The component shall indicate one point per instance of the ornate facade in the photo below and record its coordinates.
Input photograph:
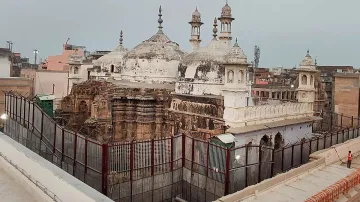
(156, 89)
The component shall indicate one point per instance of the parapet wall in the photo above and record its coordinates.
(239, 117)
(56, 181)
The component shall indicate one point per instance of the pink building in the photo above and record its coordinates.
(60, 62)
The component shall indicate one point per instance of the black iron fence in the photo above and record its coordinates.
(161, 169)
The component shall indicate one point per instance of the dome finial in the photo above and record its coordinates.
(215, 29)
(121, 38)
(236, 43)
(160, 21)
(308, 52)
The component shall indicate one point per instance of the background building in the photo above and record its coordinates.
(5, 62)
(21, 86)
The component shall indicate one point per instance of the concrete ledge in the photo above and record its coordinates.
(338, 152)
(269, 183)
(62, 184)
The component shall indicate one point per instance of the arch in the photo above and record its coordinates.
(83, 106)
(265, 141)
(311, 80)
(241, 76)
(279, 141)
(230, 76)
(304, 80)
(112, 68)
(76, 70)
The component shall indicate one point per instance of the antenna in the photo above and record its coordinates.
(10, 43)
(256, 55)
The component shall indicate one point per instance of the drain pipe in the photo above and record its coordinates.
(179, 199)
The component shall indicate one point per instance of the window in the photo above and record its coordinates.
(304, 80)
(76, 70)
(112, 68)
(311, 80)
(230, 76)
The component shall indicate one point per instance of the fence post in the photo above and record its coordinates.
(273, 162)
(292, 156)
(331, 120)
(75, 146)
(5, 102)
(33, 117)
(16, 107)
(85, 160)
(301, 152)
(131, 167)
(105, 169)
(341, 120)
(331, 135)
(152, 156)
(246, 165)
(259, 173)
(62, 146)
(207, 159)
(24, 109)
(28, 125)
(183, 149)
(227, 171)
(172, 152)
(282, 159)
(54, 143)
(317, 144)
(41, 130)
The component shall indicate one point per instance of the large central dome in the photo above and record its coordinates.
(154, 60)
(159, 46)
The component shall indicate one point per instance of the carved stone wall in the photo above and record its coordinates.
(140, 113)
(106, 112)
(198, 116)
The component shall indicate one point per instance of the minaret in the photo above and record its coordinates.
(195, 29)
(236, 90)
(226, 20)
(306, 78)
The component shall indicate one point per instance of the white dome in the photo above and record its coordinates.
(158, 46)
(113, 58)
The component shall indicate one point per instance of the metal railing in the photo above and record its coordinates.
(165, 168)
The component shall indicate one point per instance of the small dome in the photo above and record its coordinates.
(307, 62)
(226, 11)
(196, 16)
(115, 57)
(236, 55)
(196, 13)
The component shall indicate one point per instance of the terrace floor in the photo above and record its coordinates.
(307, 185)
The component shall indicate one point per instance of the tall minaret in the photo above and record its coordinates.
(195, 29)
(226, 20)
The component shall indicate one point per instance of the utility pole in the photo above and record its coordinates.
(35, 55)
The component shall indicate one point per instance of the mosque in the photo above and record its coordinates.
(156, 89)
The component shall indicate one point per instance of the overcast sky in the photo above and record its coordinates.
(284, 29)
